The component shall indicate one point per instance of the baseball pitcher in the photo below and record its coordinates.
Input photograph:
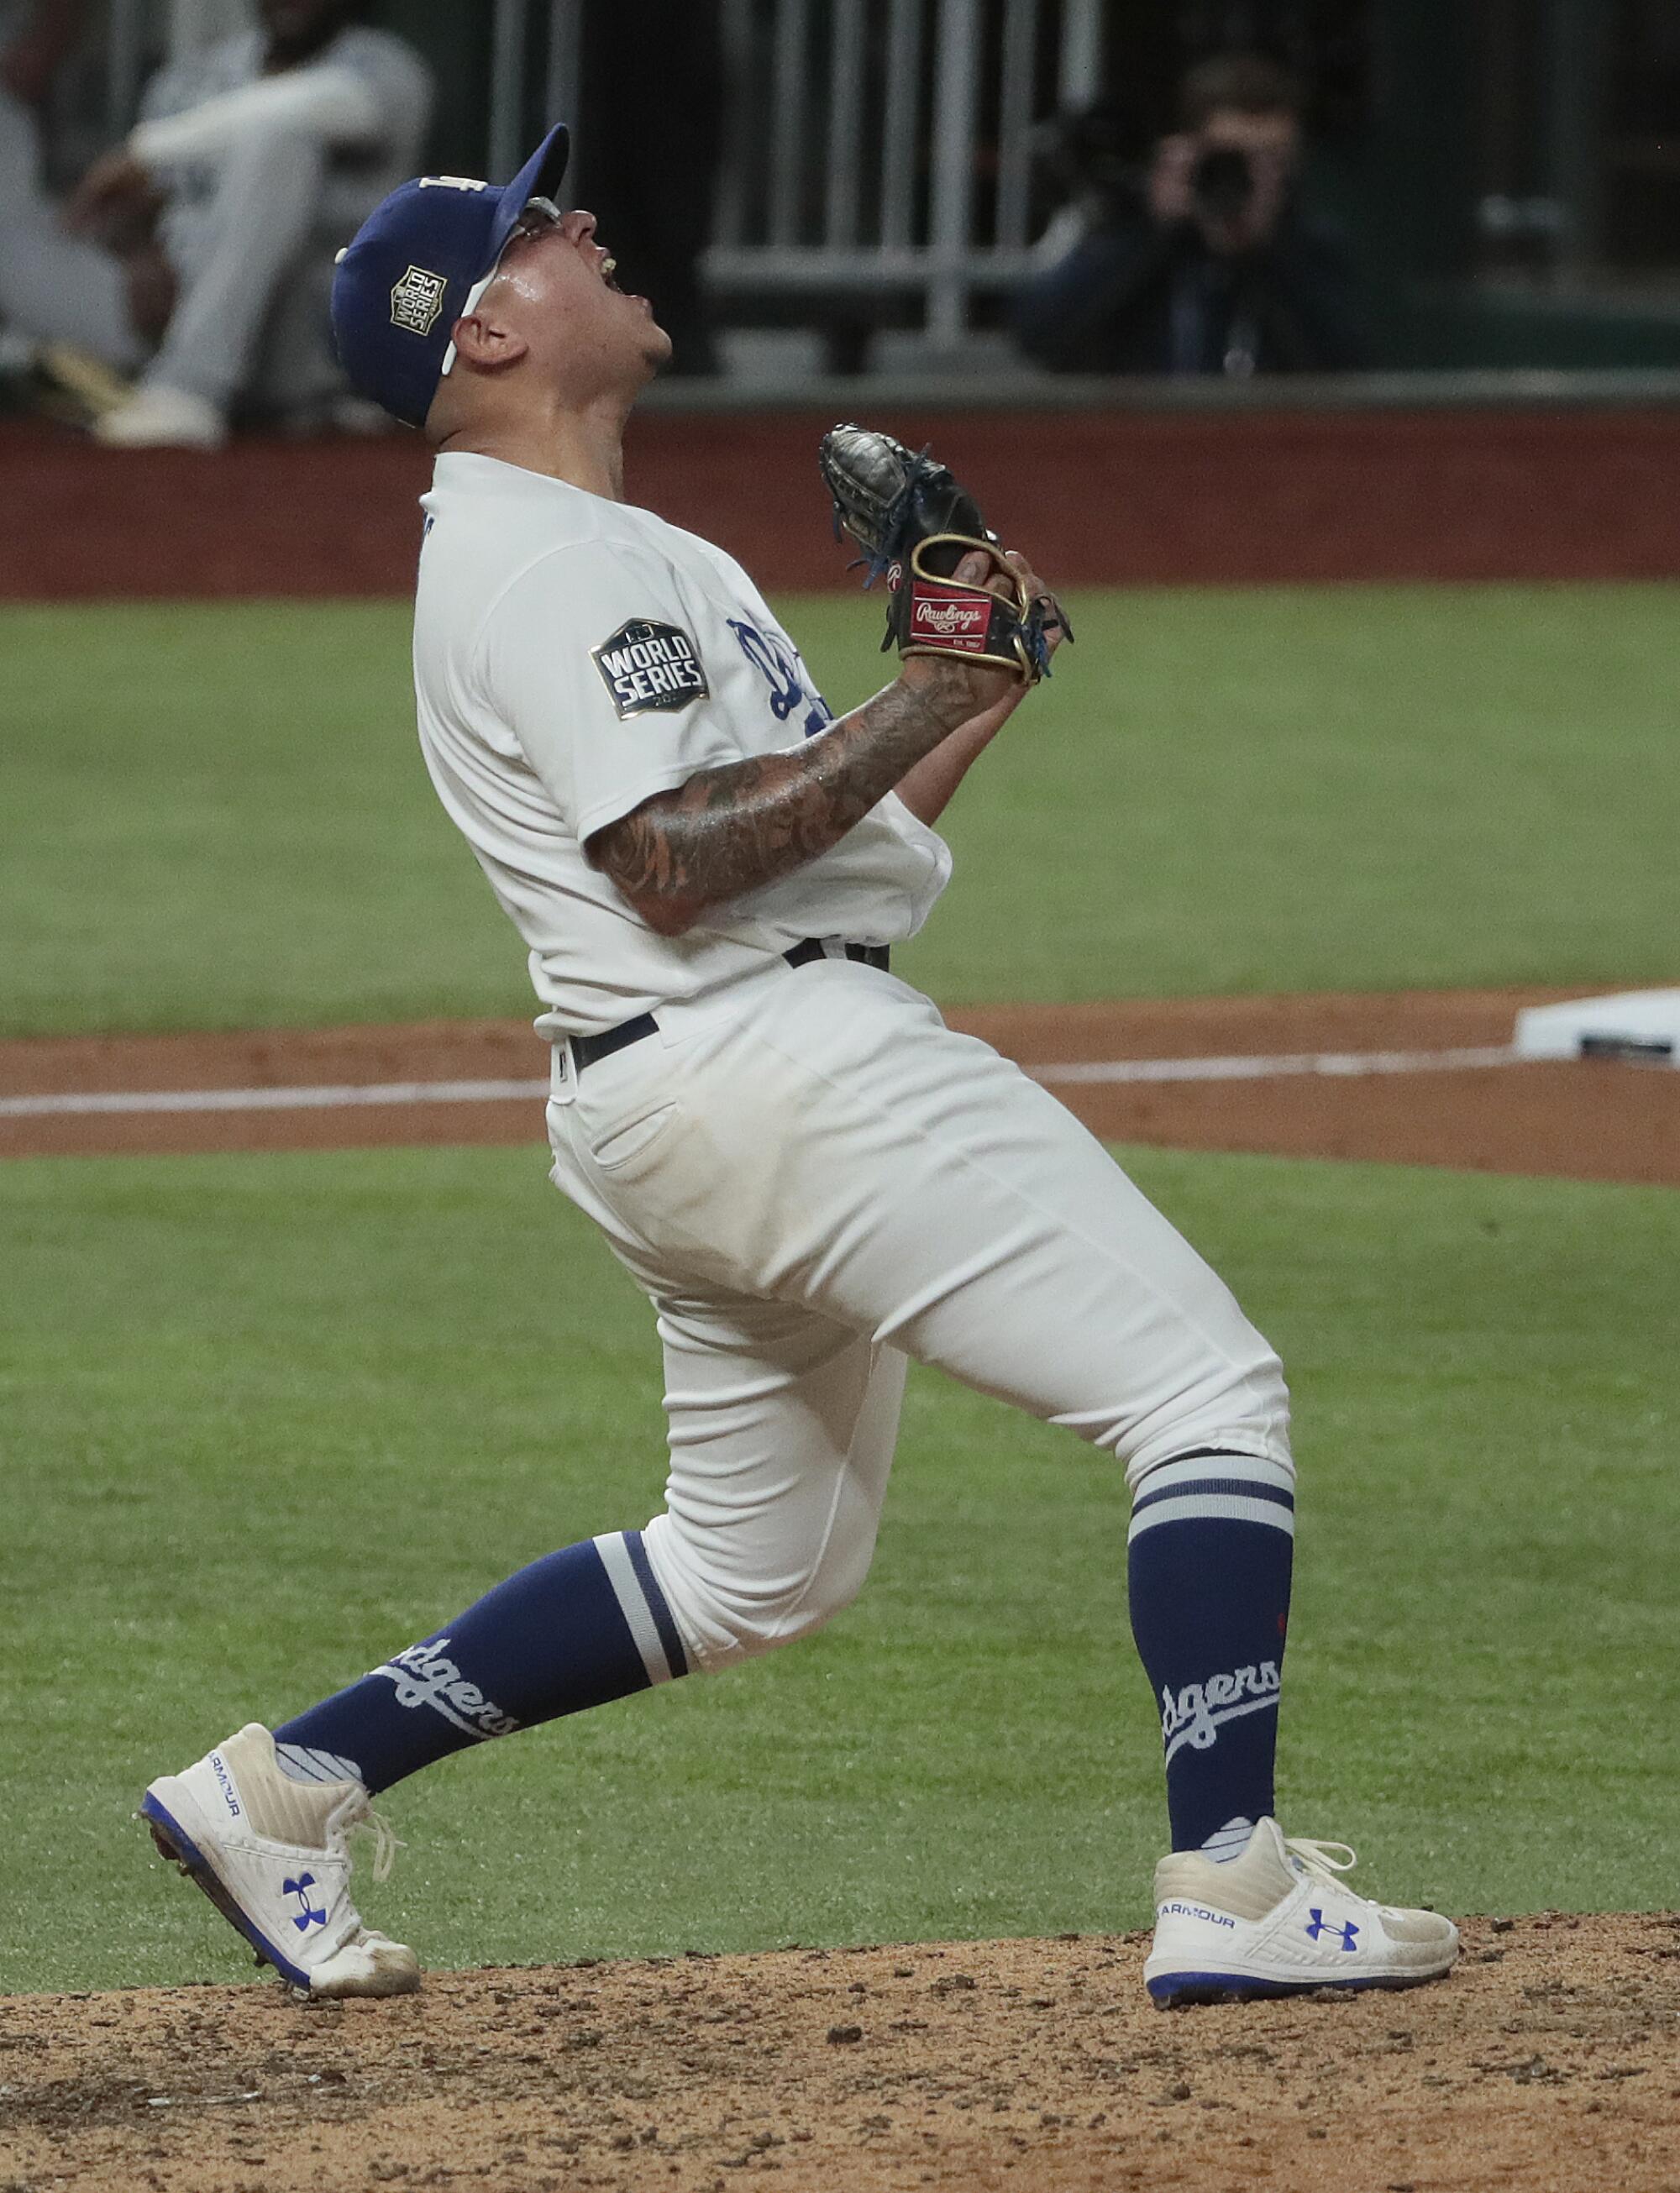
(811, 1177)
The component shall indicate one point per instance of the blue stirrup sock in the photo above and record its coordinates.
(1209, 1555)
(571, 1630)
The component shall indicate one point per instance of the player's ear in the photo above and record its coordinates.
(485, 343)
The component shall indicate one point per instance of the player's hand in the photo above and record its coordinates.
(979, 701)
(1056, 629)
(958, 691)
(117, 183)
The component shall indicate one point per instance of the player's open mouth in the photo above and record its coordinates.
(608, 271)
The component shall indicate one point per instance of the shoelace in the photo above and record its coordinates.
(1313, 1858)
(386, 1842)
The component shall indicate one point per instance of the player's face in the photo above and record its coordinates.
(555, 287)
(1271, 143)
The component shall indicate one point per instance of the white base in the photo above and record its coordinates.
(1638, 1024)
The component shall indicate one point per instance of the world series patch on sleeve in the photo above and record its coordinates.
(647, 665)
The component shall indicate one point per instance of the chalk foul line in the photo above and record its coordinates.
(1269, 1067)
(314, 1096)
(320, 1096)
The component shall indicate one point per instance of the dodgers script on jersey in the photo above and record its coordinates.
(574, 658)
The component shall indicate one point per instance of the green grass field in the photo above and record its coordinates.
(263, 1419)
(267, 1418)
(215, 816)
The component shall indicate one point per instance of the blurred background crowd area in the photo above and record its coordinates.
(1207, 192)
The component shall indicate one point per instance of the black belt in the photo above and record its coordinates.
(586, 1049)
(809, 948)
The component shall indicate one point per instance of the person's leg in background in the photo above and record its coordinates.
(258, 223)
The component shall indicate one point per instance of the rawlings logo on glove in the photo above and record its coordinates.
(915, 524)
(948, 623)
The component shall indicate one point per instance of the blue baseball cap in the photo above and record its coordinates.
(417, 264)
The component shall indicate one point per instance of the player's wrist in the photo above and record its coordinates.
(952, 692)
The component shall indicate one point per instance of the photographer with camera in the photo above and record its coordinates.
(1204, 262)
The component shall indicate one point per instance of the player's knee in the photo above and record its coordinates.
(745, 1617)
(727, 1616)
(1239, 1407)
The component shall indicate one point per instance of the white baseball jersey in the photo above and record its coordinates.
(575, 656)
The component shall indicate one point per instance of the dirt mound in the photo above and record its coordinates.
(1551, 2059)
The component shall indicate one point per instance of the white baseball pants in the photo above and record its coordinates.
(255, 271)
(825, 1181)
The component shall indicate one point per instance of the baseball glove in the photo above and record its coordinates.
(915, 524)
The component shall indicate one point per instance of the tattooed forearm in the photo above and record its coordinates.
(729, 830)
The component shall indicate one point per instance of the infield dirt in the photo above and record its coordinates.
(1596, 1120)
(1549, 2060)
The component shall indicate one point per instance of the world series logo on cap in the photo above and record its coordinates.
(417, 299)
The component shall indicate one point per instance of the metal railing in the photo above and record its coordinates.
(887, 143)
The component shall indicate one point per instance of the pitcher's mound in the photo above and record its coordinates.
(1551, 2059)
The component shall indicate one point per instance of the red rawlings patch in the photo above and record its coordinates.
(958, 622)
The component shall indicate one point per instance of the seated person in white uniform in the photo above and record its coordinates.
(221, 214)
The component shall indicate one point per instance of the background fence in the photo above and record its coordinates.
(837, 192)
(1507, 167)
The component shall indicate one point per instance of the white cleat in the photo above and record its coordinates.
(159, 418)
(1278, 1920)
(271, 1854)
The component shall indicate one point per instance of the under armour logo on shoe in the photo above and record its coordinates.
(1320, 1924)
(306, 1916)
